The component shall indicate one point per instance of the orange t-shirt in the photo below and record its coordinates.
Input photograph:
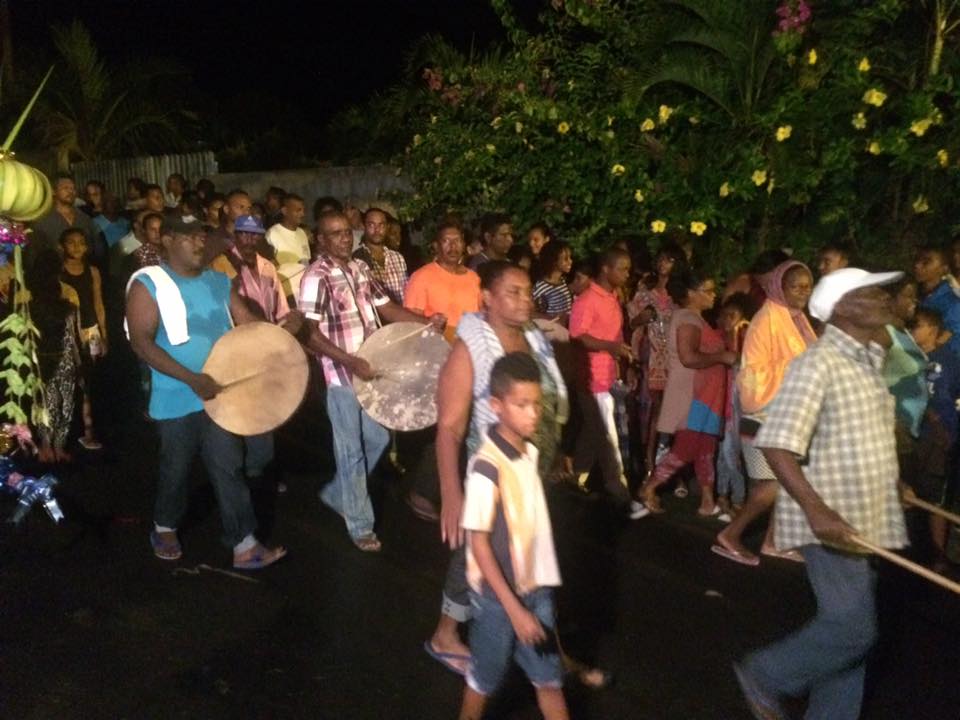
(431, 289)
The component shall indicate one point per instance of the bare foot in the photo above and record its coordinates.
(736, 547)
(258, 557)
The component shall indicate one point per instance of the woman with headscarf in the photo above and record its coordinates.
(778, 333)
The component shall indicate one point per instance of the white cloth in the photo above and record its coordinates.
(291, 246)
(173, 311)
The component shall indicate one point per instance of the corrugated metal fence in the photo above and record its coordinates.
(115, 173)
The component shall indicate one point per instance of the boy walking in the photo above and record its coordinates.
(511, 564)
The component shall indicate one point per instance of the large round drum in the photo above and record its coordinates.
(407, 358)
(263, 373)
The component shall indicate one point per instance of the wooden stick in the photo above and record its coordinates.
(907, 564)
(935, 509)
(420, 329)
(242, 379)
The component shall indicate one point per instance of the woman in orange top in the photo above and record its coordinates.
(443, 286)
(778, 333)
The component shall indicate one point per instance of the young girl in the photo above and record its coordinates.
(650, 311)
(85, 279)
(551, 293)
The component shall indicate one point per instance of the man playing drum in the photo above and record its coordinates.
(343, 305)
(175, 313)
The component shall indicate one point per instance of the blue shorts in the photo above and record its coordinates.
(493, 643)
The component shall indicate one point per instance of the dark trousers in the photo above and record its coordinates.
(181, 439)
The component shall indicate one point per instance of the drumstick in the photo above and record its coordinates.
(241, 379)
(907, 564)
(420, 329)
(935, 509)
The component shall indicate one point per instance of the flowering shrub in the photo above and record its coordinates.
(645, 118)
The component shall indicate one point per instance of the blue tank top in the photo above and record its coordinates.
(207, 298)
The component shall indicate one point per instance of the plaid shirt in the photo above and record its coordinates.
(834, 409)
(392, 274)
(343, 302)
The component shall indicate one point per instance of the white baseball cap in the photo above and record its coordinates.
(835, 285)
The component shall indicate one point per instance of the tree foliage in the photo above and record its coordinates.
(743, 123)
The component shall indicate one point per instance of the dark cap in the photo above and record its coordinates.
(176, 226)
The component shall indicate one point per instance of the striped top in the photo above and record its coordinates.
(552, 299)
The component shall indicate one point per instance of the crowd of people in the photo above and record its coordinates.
(793, 392)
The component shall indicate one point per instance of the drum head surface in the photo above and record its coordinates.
(264, 373)
(403, 396)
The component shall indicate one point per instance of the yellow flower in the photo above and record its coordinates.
(417, 140)
(518, 126)
(658, 226)
(433, 119)
(491, 149)
(563, 128)
(874, 97)
(698, 228)
(936, 117)
(859, 121)
(812, 57)
(496, 122)
(617, 170)
(920, 127)
(438, 160)
(759, 177)
(864, 65)
(724, 189)
(943, 157)
(920, 205)
(664, 113)
(610, 134)
(784, 132)
(648, 125)
(874, 148)
(610, 119)
(638, 195)
(770, 185)
(694, 120)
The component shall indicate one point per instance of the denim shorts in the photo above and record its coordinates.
(493, 643)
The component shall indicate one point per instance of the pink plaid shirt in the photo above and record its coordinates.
(261, 287)
(343, 301)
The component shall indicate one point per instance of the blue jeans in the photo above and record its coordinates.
(493, 643)
(826, 657)
(222, 452)
(358, 443)
(729, 474)
(258, 454)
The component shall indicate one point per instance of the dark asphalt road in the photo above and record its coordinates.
(94, 627)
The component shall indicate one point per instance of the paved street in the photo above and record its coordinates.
(95, 627)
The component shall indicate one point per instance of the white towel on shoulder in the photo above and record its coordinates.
(173, 311)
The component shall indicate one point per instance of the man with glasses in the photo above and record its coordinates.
(343, 304)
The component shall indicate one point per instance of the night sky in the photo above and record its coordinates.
(322, 54)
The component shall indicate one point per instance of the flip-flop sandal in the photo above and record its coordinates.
(422, 508)
(737, 557)
(264, 557)
(368, 543)
(791, 555)
(681, 491)
(165, 549)
(448, 659)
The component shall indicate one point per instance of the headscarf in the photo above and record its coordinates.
(772, 283)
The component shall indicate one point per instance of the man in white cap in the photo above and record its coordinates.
(829, 438)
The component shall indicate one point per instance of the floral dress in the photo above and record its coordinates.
(658, 358)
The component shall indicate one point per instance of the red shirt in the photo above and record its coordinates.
(596, 312)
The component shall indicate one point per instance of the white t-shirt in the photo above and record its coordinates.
(291, 246)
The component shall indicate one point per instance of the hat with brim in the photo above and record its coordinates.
(833, 286)
(248, 224)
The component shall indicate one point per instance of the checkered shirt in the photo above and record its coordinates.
(343, 301)
(834, 409)
(392, 274)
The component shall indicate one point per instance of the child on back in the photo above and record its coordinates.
(511, 564)
(940, 425)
